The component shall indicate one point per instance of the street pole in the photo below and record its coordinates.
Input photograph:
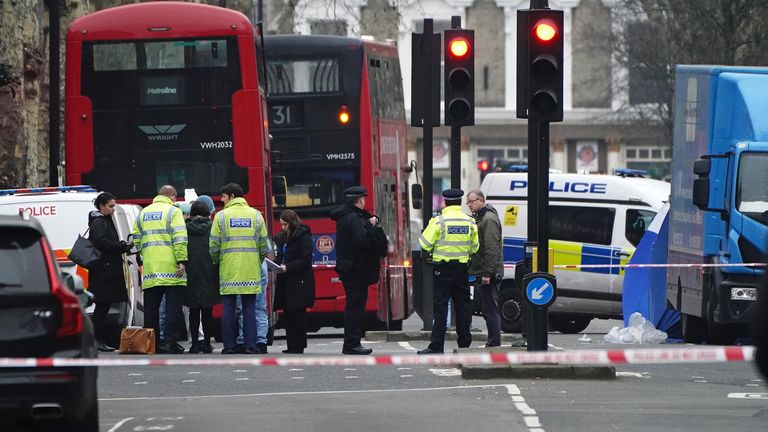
(455, 135)
(54, 89)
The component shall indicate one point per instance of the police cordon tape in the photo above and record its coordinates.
(720, 354)
(626, 266)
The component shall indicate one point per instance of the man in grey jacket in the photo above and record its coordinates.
(488, 264)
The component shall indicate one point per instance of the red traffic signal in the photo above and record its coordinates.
(459, 47)
(545, 30)
(483, 165)
(459, 78)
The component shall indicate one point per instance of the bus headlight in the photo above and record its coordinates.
(740, 293)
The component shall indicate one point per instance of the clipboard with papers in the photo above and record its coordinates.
(273, 266)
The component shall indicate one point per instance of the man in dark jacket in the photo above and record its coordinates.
(357, 263)
(487, 264)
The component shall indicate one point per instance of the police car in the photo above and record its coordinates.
(63, 214)
(594, 219)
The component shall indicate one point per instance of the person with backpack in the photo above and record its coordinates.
(358, 258)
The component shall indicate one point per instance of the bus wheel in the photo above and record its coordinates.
(694, 328)
(511, 311)
(569, 324)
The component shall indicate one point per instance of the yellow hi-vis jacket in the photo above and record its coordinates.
(238, 244)
(450, 236)
(161, 236)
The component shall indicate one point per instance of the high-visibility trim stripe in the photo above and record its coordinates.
(235, 250)
(176, 240)
(178, 228)
(241, 284)
(156, 243)
(437, 254)
(162, 276)
(453, 243)
(154, 231)
(425, 243)
(237, 238)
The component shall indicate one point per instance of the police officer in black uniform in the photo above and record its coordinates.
(357, 263)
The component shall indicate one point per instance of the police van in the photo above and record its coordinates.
(594, 219)
(63, 214)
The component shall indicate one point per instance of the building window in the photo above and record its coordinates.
(501, 158)
(656, 160)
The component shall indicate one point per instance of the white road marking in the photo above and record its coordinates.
(407, 346)
(403, 368)
(242, 379)
(140, 382)
(761, 396)
(555, 347)
(531, 419)
(350, 369)
(446, 372)
(120, 423)
(406, 376)
(194, 373)
(751, 385)
(633, 374)
(295, 370)
(351, 377)
(699, 381)
(187, 381)
(239, 371)
(134, 374)
(297, 377)
(171, 418)
(303, 393)
(153, 428)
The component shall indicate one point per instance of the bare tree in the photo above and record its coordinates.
(656, 35)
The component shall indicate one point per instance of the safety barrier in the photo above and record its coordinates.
(626, 266)
(720, 354)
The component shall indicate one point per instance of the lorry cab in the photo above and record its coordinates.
(63, 214)
(594, 219)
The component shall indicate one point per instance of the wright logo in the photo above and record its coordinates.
(163, 132)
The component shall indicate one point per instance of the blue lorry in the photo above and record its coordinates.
(719, 201)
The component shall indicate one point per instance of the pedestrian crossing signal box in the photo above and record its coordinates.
(539, 289)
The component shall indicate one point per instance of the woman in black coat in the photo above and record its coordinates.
(106, 280)
(202, 292)
(296, 283)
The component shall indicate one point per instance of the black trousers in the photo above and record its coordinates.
(100, 312)
(194, 323)
(296, 328)
(174, 317)
(357, 295)
(490, 296)
(451, 281)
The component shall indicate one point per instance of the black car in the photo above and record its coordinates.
(42, 316)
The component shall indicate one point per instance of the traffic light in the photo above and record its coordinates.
(540, 65)
(484, 166)
(459, 77)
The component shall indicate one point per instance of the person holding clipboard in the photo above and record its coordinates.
(295, 278)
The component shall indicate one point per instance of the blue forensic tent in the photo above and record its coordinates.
(645, 289)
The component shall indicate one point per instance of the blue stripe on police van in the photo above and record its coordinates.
(599, 255)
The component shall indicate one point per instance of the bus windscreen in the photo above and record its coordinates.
(162, 114)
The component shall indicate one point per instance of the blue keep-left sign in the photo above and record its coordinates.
(540, 289)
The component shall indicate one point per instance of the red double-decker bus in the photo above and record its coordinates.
(337, 118)
(166, 93)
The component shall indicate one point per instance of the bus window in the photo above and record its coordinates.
(303, 76)
(316, 189)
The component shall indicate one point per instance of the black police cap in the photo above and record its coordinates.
(355, 191)
(453, 194)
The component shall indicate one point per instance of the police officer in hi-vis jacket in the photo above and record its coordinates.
(161, 237)
(451, 238)
(238, 245)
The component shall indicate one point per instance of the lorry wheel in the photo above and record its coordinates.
(694, 328)
(722, 334)
(569, 324)
(511, 311)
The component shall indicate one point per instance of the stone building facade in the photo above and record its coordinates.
(596, 88)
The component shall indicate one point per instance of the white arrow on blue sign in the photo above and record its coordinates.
(539, 291)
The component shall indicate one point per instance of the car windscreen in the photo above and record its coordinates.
(22, 264)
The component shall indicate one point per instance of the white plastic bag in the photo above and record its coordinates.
(640, 331)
